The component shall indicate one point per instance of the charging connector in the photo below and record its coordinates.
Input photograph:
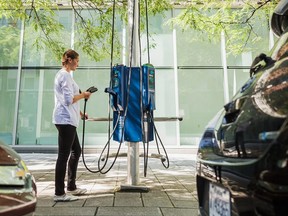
(92, 89)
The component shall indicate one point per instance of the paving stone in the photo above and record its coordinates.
(156, 199)
(71, 211)
(185, 204)
(45, 201)
(171, 191)
(179, 212)
(128, 199)
(175, 194)
(78, 203)
(100, 200)
(128, 211)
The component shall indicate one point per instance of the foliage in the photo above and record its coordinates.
(9, 45)
(93, 27)
(237, 19)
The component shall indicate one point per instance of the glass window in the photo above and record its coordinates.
(36, 94)
(260, 28)
(200, 89)
(194, 50)
(96, 107)
(9, 42)
(9, 49)
(43, 56)
(7, 108)
(46, 133)
(28, 107)
(99, 43)
(37, 103)
(201, 96)
(236, 79)
(161, 56)
(199, 77)
(166, 105)
(160, 41)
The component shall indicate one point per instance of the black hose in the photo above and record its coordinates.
(107, 145)
(83, 138)
(157, 136)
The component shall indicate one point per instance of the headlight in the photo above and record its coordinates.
(15, 177)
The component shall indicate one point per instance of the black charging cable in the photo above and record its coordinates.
(92, 89)
(107, 145)
(116, 107)
(157, 144)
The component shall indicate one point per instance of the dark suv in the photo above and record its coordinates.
(242, 160)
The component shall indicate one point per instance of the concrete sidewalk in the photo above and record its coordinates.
(172, 191)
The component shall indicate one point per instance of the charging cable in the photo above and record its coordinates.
(107, 145)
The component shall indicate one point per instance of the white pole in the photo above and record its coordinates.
(224, 64)
(124, 58)
(234, 83)
(133, 147)
(133, 13)
(18, 84)
(40, 98)
(175, 63)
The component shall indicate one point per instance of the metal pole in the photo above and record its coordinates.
(133, 147)
(224, 64)
(133, 13)
(134, 61)
(18, 86)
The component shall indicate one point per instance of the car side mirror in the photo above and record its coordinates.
(260, 62)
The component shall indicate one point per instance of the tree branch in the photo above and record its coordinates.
(255, 9)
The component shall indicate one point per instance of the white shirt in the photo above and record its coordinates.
(65, 111)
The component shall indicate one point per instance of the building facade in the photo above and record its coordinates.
(194, 79)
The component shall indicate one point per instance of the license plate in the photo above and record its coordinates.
(219, 201)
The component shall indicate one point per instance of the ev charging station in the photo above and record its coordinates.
(135, 88)
(132, 99)
(132, 92)
(128, 125)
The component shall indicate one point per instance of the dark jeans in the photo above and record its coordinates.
(68, 145)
